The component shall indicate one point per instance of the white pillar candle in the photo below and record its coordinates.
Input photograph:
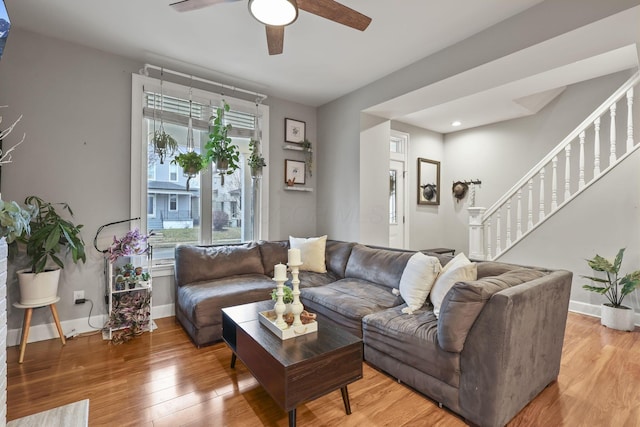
(280, 272)
(294, 256)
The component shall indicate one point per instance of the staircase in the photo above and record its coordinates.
(537, 196)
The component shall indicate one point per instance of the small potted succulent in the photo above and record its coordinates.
(191, 163)
(256, 161)
(614, 315)
(220, 148)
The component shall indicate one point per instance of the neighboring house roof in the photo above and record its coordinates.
(173, 187)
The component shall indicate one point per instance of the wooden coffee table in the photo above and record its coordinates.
(296, 370)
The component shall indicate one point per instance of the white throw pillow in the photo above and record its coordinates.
(311, 252)
(418, 277)
(459, 269)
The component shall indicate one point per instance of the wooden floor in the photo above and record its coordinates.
(161, 379)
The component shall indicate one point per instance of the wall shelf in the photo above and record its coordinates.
(308, 189)
(294, 147)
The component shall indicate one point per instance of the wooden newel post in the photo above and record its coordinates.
(476, 233)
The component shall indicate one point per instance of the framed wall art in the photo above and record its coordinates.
(294, 172)
(428, 182)
(294, 131)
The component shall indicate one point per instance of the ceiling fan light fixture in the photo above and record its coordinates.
(274, 12)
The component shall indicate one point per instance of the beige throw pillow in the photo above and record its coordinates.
(418, 277)
(459, 269)
(312, 252)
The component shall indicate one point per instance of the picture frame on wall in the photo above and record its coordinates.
(294, 172)
(428, 182)
(295, 131)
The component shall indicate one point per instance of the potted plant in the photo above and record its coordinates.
(256, 161)
(220, 148)
(133, 243)
(14, 222)
(49, 236)
(287, 298)
(191, 163)
(130, 316)
(308, 155)
(163, 144)
(614, 314)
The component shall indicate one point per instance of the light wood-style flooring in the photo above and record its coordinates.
(162, 379)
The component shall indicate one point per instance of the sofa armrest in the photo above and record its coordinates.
(514, 348)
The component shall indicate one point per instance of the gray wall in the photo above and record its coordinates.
(77, 117)
(338, 121)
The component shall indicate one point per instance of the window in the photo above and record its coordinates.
(208, 212)
(173, 172)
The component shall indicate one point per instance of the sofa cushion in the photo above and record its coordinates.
(465, 301)
(273, 253)
(347, 301)
(413, 341)
(202, 302)
(417, 279)
(458, 269)
(337, 256)
(312, 252)
(202, 263)
(309, 279)
(492, 268)
(381, 266)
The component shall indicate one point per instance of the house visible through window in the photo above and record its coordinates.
(208, 212)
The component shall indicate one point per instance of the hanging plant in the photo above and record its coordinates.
(164, 145)
(256, 161)
(220, 148)
(308, 155)
(191, 163)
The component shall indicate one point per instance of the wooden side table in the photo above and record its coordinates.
(27, 322)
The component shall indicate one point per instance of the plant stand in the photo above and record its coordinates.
(127, 302)
(27, 322)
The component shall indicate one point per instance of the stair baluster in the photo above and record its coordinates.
(554, 185)
(630, 120)
(596, 149)
(567, 172)
(541, 215)
(612, 135)
(581, 180)
(530, 206)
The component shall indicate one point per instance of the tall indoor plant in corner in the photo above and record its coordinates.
(50, 236)
(614, 315)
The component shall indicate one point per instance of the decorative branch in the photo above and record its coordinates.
(5, 156)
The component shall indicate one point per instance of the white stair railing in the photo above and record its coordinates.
(490, 232)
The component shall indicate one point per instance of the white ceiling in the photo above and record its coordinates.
(323, 60)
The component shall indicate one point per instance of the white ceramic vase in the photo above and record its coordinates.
(40, 288)
(621, 318)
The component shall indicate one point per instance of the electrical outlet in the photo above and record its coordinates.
(77, 295)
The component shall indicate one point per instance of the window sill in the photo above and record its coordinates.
(163, 268)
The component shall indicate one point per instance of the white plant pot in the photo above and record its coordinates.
(621, 319)
(41, 288)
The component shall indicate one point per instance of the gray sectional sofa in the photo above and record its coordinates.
(496, 344)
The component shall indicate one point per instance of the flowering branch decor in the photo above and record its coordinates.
(133, 243)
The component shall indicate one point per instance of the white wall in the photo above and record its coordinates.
(76, 103)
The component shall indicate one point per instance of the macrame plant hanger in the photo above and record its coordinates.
(160, 149)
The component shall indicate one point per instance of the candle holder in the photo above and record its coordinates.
(280, 307)
(296, 305)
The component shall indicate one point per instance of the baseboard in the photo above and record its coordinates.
(75, 326)
(592, 310)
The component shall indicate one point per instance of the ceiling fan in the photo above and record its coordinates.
(277, 14)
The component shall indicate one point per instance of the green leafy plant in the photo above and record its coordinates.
(191, 163)
(50, 235)
(613, 287)
(163, 144)
(256, 161)
(220, 148)
(14, 222)
(287, 298)
(308, 155)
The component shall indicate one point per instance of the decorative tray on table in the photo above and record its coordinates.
(268, 319)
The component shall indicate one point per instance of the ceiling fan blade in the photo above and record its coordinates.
(188, 5)
(275, 39)
(336, 12)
